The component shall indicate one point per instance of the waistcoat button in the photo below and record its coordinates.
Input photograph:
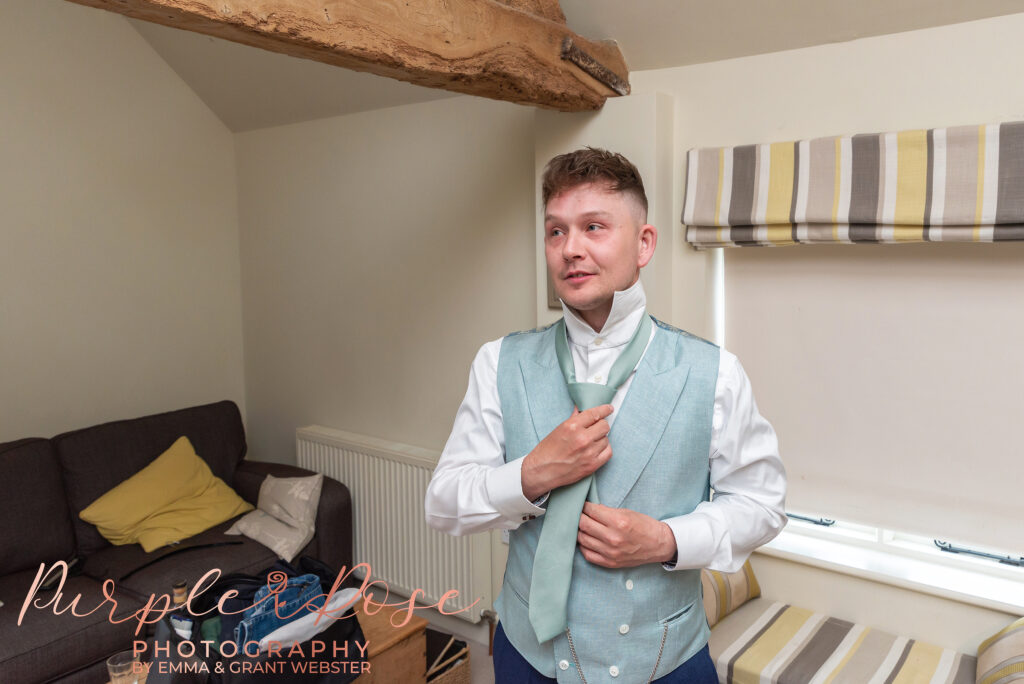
(623, 629)
(613, 671)
(563, 665)
(629, 585)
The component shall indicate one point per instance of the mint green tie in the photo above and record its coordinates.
(552, 563)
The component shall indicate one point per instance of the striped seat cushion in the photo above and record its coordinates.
(768, 641)
(1001, 656)
(725, 592)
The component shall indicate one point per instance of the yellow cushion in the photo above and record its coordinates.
(173, 498)
(725, 592)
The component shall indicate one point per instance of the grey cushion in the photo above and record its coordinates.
(332, 542)
(286, 515)
(116, 561)
(47, 646)
(37, 524)
(96, 459)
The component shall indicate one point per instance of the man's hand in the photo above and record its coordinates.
(573, 450)
(621, 538)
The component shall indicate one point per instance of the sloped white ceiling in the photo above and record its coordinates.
(249, 88)
(663, 33)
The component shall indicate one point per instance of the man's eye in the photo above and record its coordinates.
(593, 225)
(555, 232)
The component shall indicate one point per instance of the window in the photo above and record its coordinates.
(903, 559)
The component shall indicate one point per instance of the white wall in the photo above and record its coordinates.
(380, 250)
(946, 76)
(120, 291)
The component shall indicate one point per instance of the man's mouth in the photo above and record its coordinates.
(577, 275)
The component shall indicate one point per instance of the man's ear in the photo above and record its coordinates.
(648, 240)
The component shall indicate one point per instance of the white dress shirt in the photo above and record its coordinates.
(473, 489)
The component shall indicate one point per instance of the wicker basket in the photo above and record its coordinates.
(451, 664)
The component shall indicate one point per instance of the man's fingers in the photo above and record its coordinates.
(587, 523)
(598, 453)
(600, 513)
(595, 558)
(591, 543)
(596, 551)
(591, 534)
(603, 535)
(599, 430)
(592, 415)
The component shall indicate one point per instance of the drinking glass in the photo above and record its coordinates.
(123, 668)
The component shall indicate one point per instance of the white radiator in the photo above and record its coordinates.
(388, 482)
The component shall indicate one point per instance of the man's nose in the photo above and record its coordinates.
(572, 247)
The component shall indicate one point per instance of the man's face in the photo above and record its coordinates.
(595, 244)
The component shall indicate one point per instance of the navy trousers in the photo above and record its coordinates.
(512, 668)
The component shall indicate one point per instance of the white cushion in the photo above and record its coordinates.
(285, 516)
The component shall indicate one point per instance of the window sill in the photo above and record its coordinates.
(969, 586)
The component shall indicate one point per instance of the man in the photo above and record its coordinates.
(666, 417)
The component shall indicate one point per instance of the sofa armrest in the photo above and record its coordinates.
(332, 542)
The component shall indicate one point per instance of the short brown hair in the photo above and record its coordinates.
(592, 165)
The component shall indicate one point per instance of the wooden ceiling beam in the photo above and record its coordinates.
(514, 50)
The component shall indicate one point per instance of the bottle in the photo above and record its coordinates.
(182, 623)
(179, 591)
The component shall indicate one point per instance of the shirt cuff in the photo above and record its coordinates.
(695, 544)
(505, 491)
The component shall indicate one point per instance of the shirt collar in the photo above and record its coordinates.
(627, 308)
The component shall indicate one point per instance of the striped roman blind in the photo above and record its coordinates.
(962, 184)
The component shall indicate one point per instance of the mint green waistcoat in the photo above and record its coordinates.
(625, 623)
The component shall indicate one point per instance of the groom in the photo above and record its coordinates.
(606, 491)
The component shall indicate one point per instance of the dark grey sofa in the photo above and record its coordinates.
(44, 483)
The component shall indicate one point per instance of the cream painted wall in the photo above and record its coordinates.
(937, 77)
(120, 290)
(380, 250)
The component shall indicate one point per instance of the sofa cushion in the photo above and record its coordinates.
(117, 561)
(332, 542)
(286, 517)
(47, 646)
(44, 531)
(172, 499)
(771, 641)
(94, 460)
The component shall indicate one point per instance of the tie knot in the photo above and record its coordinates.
(589, 394)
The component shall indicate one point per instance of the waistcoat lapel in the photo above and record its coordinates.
(546, 392)
(642, 419)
